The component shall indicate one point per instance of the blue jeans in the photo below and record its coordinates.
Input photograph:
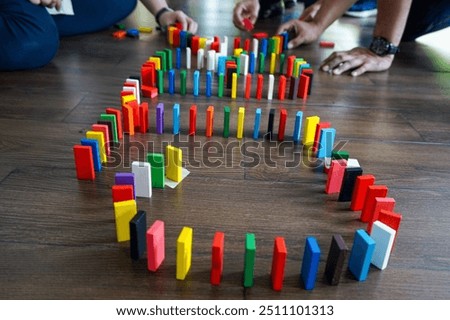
(29, 35)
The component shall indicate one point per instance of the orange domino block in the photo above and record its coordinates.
(282, 124)
(122, 192)
(362, 183)
(136, 116)
(259, 86)
(282, 87)
(118, 115)
(381, 203)
(320, 126)
(278, 263)
(335, 176)
(84, 162)
(192, 120)
(290, 66)
(209, 121)
(143, 115)
(103, 128)
(217, 258)
(128, 120)
(369, 203)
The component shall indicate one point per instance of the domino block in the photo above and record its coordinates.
(138, 229)
(282, 124)
(335, 176)
(220, 85)
(183, 77)
(362, 183)
(104, 130)
(143, 115)
(293, 88)
(326, 44)
(290, 66)
(335, 261)
(303, 87)
(122, 193)
(217, 258)
(257, 123)
(118, 115)
(188, 58)
(184, 253)
(278, 263)
(195, 44)
(263, 46)
(282, 62)
(384, 238)
(84, 163)
(196, 83)
(326, 143)
(200, 59)
(259, 86)
(249, 260)
(126, 178)
(244, 61)
(234, 86)
(270, 87)
(369, 203)
(155, 245)
(248, 24)
(113, 120)
(240, 124)
(209, 121)
(176, 118)
(99, 136)
(310, 130)
(157, 165)
(171, 77)
(269, 134)
(160, 118)
(317, 135)
(248, 86)
(174, 158)
(143, 179)
(361, 255)
(252, 62)
(281, 87)
(261, 58)
(340, 154)
(192, 120)
(226, 122)
(381, 203)
(95, 152)
(160, 80)
(348, 183)
(297, 127)
(124, 211)
(392, 220)
(273, 62)
(307, 71)
(208, 84)
(163, 56)
(169, 59)
(310, 263)
(237, 43)
(128, 120)
(178, 58)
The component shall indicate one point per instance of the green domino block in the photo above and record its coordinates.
(338, 155)
(160, 81)
(156, 161)
(183, 82)
(226, 122)
(261, 62)
(282, 59)
(221, 84)
(249, 260)
(169, 58)
(112, 118)
(271, 47)
(296, 70)
(163, 56)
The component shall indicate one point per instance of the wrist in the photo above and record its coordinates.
(383, 47)
(160, 13)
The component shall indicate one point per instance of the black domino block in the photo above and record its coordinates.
(348, 183)
(335, 261)
(293, 87)
(270, 124)
(138, 229)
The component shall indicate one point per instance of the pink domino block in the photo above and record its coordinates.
(381, 203)
(155, 245)
(104, 129)
(335, 176)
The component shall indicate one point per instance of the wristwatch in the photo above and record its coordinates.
(382, 47)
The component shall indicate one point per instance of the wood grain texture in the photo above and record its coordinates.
(57, 234)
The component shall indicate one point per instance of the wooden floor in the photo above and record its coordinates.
(57, 234)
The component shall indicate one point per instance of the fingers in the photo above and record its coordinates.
(187, 23)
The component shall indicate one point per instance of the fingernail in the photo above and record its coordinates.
(325, 68)
(290, 46)
(354, 74)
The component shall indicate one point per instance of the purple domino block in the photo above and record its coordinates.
(160, 118)
(125, 178)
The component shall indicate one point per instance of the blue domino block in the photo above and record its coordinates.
(326, 142)
(183, 39)
(160, 118)
(297, 127)
(257, 123)
(361, 255)
(95, 152)
(221, 65)
(285, 40)
(251, 63)
(178, 58)
(176, 118)
(208, 83)
(310, 263)
(196, 82)
(263, 47)
(171, 81)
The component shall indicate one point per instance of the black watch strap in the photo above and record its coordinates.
(160, 13)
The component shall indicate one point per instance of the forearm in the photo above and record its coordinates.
(330, 11)
(155, 5)
(391, 19)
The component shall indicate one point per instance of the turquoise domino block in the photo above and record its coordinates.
(257, 123)
(310, 263)
(326, 142)
(176, 118)
(297, 127)
(361, 255)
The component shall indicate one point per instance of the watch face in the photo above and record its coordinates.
(379, 46)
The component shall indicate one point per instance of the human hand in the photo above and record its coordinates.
(170, 18)
(310, 12)
(359, 60)
(305, 32)
(48, 3)
(245, 9)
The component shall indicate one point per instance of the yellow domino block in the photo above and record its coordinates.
(124, 211)
(202, 43)
(97, 135)
(273, 62)
(184, 252)
(240, 124)
(234, 86)
(145, 29)
(310, 130)
(174, 158)
(156, 61)
(237, 52)
(297, 65)
(170, 31)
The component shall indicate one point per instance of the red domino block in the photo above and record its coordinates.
(84, 162)
(143, 115)
(118, 115)
(282, 124)
(217, 258)
(335, 176)
(282, 87)
(360, 190)
(155, 245)
(209, 121)
(369, 204)
(103, 128)
(248, 25)
(303, 86)
(320, 126)
(136, 119)
(128, 123)
(310, 74)
(391, 219)
(290, 66)
(237, 43)
(122, 192)
(259, 86)
(385, 203)
(215, 46)
(178, 25)
(195, 44)
(326, 44)
(248, 85)
(278, 263)
(260, 35)
(192, 120)
(176, 38)
(149, 92)
(148, 74)
(247, 45)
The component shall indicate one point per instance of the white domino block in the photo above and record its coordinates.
(200, 58)
(271, 85)
(143, 178)
(244, 64)
(384, 239)
(188, 58)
